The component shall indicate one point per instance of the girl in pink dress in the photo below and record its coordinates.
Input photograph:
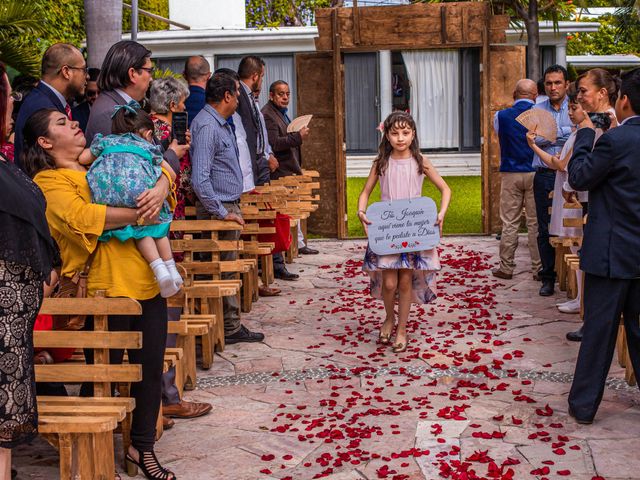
(407, 277)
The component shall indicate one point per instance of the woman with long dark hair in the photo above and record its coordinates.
(53, 144)
(27, 256)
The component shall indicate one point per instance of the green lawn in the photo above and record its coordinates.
(464, 215)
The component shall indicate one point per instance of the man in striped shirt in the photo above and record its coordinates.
(217, 180)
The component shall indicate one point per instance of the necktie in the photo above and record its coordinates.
(258, 121)
(233, 130)
(67, 110)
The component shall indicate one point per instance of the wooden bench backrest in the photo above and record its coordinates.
(100, 340)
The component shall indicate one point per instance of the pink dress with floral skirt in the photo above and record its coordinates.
(401, 181)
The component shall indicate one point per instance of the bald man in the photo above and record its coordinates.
(64, 77)
(516, 172)
(196, 72)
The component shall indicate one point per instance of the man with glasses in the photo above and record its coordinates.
(125, 75)
(64, 77)
(81, 111)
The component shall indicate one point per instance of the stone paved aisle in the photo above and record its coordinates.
(480, 393)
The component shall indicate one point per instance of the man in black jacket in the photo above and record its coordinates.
(610, 255)
(251, 73)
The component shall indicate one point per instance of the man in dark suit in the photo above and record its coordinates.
(251, 73)
(81, 111)
(610, 255)
(64, 77)
(285, 145)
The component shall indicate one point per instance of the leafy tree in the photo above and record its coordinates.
(608, 40)
(146, 24)
(19, 21)
(281, 13)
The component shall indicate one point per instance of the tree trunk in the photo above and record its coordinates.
(103, 24)
(533, 42)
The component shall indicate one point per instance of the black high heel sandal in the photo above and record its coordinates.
(150, 466)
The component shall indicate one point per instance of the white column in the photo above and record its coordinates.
(386, 94)
(561, 54)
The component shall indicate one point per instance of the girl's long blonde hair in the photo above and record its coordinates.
(397, 120)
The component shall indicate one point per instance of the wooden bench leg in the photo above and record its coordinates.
(256, 283)
(218, 311)
(188, 345)
(247, 292)
(65, 451)
(291, 252)
(102, 455)
(561, 267)
(159, 425)
(267, 269)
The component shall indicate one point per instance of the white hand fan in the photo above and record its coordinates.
(541, 122)
(298, 123)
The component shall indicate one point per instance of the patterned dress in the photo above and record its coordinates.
(126, 165)
(400, 181)
(20, 300)
(185, 195)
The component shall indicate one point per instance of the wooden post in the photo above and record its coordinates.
(338, 102)
(356, 23)
(485, 120)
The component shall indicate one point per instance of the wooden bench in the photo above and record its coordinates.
(82, 428)
(187, 329)
(623, 355)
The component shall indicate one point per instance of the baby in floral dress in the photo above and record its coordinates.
(123, 165)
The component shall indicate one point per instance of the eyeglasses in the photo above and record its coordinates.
(283, 94)
(148, 69)
(85, 69)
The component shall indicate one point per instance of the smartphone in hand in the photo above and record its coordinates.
(600, 120)
(179, 127)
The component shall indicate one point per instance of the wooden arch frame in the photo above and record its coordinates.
(320, 81)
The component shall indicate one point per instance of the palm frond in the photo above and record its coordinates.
(20, 57)
(19, 17)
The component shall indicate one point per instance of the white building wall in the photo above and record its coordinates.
(202, 14)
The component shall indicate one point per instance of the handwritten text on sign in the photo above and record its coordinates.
(403, 226)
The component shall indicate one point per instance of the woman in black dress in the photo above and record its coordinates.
(27, 255)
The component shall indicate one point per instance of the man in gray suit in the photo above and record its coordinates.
(125, 76)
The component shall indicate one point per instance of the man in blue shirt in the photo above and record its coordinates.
(217, 180)
(555, 84)
(516, 175)
(196, 73)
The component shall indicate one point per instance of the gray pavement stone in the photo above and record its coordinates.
(482, 385)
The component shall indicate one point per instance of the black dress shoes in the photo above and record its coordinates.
(307, 251)
(575, 336)
(581, 421)
(285, 275)
(547, 288)
(243, 335)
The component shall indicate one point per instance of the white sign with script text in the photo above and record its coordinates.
(403, 226)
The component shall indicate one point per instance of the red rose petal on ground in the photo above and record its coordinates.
(268, 457)
(564, 473)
